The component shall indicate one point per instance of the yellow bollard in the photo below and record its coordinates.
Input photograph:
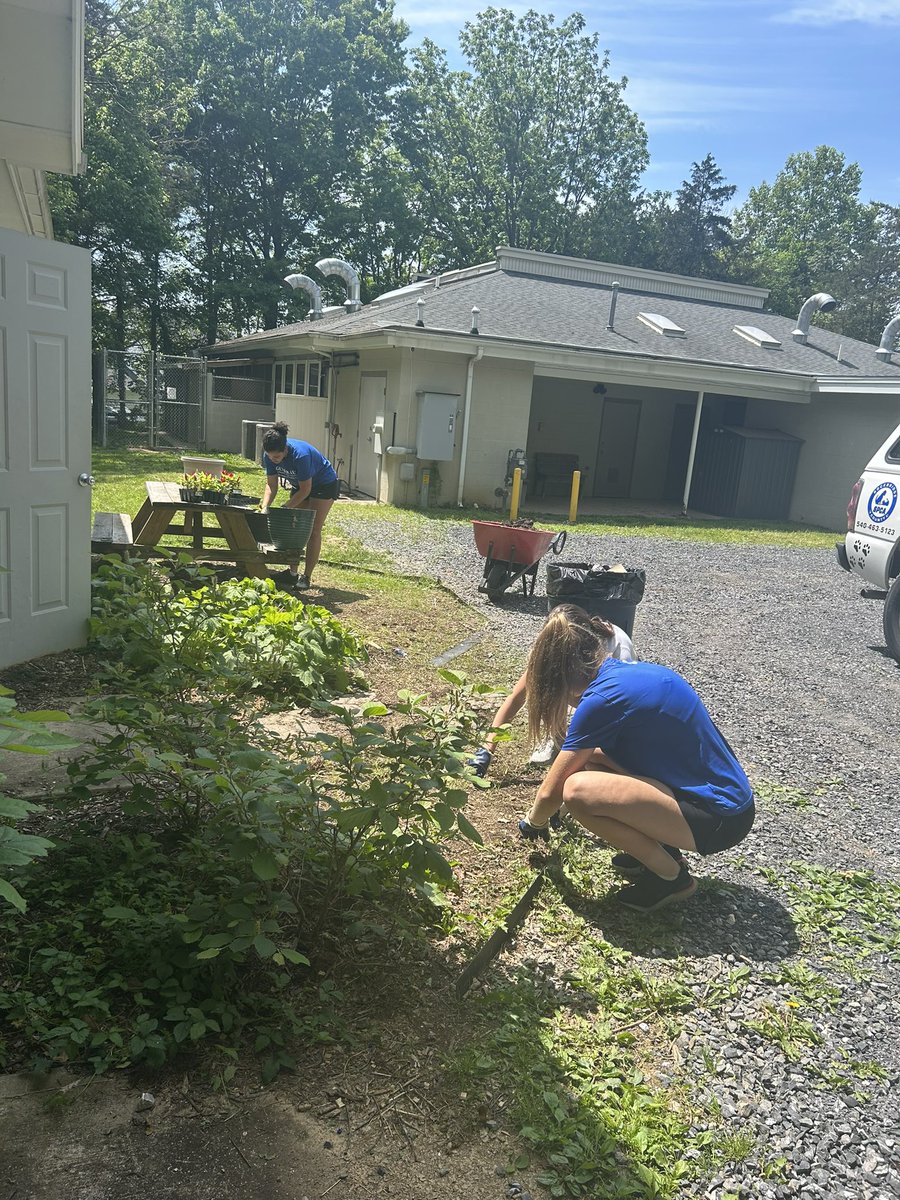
(516, 494)
(573, 502)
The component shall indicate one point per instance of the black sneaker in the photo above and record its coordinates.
(301, 583)
(652, 891)
(632, 868)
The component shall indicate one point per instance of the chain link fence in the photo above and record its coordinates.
(142, 399)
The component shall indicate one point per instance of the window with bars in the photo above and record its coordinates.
(308, 377)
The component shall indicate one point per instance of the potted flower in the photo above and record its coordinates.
(191, 488)
(211, 490)
(229, 483)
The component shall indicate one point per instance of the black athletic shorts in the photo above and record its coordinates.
(716, 829)
(325, 491)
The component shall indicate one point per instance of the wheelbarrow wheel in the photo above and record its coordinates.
(495, 583)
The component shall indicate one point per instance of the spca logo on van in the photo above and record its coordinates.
(882, 502)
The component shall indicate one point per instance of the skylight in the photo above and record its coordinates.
(661, 324)
(758, 337)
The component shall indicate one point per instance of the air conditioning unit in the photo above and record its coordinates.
(248, 440)
(262, 428)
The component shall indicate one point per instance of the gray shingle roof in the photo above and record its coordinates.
(573, 315)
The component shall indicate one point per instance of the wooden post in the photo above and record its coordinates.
(516, 494)
(573, 501)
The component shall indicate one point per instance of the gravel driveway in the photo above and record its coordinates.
(791, 662)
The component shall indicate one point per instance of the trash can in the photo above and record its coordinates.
(603, 591)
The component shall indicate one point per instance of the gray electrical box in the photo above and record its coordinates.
(407, 472)
(436, 437)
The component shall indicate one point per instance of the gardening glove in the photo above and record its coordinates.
(533, 833)
(480, 761)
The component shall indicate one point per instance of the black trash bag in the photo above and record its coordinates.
(583, 579)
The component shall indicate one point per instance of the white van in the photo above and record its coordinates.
(871, 548)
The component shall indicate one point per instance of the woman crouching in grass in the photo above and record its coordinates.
(642, 765)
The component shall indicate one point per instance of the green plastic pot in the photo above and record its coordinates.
(289, 528)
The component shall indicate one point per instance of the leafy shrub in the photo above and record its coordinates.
(27, 734)
(224, 869)
(172, 634)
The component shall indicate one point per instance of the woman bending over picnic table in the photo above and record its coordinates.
(313, 483)
(620, 646)
(643, 765)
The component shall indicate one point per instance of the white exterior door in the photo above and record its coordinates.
(45, 445)
(366, 462)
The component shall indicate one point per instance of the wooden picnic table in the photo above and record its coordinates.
(164, 512)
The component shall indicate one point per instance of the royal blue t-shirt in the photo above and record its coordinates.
(301, 462)
(651, 722)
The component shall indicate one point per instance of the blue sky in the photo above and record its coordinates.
(750, 81)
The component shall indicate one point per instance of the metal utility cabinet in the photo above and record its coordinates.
(436, 438)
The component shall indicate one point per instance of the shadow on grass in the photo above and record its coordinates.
(719, 919)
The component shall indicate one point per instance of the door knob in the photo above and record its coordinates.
(86, 480)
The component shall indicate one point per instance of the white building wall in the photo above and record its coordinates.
(840, 434)
(224, 422)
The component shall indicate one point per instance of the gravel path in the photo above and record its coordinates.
(791, 662)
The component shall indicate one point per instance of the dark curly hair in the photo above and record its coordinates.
(276, 437)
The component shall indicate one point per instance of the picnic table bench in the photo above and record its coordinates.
(555, 469)
(165, 513)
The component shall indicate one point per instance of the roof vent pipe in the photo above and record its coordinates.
(476, 312)
(312, 290)
(820, 302)
(888, 338)
(612, 305)
(420, 313)
(343, 270)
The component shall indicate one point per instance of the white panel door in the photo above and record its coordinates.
(366, 463)
(45, 445)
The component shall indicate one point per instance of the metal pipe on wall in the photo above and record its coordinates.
(690, 467)
(467, 409)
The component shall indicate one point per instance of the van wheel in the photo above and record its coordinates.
(891, 619)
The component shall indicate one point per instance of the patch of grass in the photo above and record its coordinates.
(851, 912)
(780, 796)
(713, 529)
(790, 1032)
(576, 1098)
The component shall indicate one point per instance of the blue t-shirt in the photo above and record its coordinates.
(301, 462)
(651, 722)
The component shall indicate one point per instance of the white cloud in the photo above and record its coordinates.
(835, 12)
(668, 103)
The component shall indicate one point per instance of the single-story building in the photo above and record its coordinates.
(45, 338)
(659, 387)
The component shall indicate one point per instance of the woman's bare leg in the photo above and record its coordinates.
(314, 545)
(633, 814)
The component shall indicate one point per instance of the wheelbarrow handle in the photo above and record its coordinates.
(559, 541)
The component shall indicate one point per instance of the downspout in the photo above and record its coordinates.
(690, 467)
(464, 453)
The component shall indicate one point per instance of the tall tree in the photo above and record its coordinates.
(696, 234)
(869, 288)
(123, 207)
(526, 148)
(289, 96)
(802, 233)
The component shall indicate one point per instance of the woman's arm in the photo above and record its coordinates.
(550, 794)
(507, 710)
(303, 490)
(270, 493)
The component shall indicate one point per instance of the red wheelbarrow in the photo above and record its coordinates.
(511, 553)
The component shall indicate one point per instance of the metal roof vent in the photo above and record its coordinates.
(611, 321)
(661, 324)
(758, 337)
(820, 302)
(350, 276)
(312, 289)
(888, 338)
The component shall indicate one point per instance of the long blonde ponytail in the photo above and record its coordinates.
(564, 659)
